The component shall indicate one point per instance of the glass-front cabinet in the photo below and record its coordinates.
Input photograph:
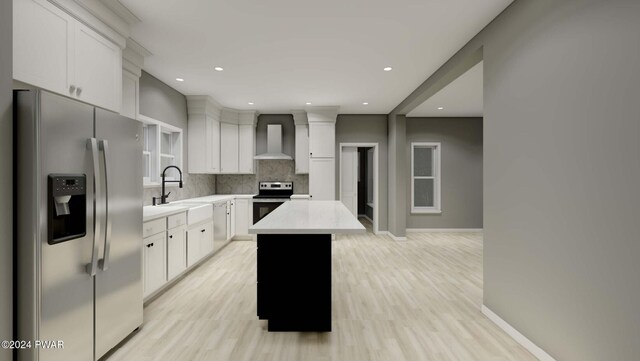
(162, 146)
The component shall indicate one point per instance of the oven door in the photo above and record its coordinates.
(262, 208)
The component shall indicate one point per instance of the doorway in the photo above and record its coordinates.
(358, 182)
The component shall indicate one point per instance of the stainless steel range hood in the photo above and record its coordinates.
(274, 144)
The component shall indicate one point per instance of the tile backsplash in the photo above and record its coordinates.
(194, 185)
(267, 170)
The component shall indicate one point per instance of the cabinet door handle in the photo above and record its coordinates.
(171, 236)
(78, 91)
(72, 88)
(202, 230)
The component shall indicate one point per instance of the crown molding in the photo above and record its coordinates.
(248, 117)
(133, 57)
(203, 105)
(300, 117)
(97, 16)
(322, 114)
(239, 117)
(122, 11)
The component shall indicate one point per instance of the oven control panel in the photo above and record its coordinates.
(276, 185)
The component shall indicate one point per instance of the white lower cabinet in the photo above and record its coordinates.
(176, 252)
(199, 242)
(232, 219)
(154, 263)
(206, 240)
(242, 217)
(321, 179)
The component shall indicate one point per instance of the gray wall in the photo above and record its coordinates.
(561, 176)
(351, 128)
(6, 181)
(161, 102)
(461, 167)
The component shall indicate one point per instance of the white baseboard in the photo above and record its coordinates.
(517, 336)
(395, 238)
(443, 230)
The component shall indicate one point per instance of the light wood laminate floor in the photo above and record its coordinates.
(414, 300)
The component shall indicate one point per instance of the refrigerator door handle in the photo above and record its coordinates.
(104, 262)
(92, 144)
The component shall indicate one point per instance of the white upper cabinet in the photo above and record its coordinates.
(98, 69)
(41, 39)
(246, 148)
(203, 134)
(322, 140)
(228, 148)
(302, 149)
(130, 91)
(220, 140)
(56, 52)
(213, 144)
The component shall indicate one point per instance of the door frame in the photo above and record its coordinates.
(376, 177)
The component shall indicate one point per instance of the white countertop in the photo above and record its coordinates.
(150, 213)
(313, 217)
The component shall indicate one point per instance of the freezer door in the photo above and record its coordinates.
(55, 293)
(119, 279)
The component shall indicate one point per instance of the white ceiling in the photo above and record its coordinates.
(281, 54)
(461, 98)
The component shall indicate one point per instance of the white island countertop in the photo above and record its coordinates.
(312, 217)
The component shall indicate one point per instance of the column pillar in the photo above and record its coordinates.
(398, 176)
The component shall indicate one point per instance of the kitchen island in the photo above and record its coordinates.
(294, 263)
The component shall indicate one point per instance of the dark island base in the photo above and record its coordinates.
(294, 282)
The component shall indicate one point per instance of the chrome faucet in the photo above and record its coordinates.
(163, 197)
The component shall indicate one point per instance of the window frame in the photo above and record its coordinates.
(156, 129)
(437, 178)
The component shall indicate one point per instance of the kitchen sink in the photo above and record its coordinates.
(197, 211)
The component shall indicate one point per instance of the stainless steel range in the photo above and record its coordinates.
(270, 196)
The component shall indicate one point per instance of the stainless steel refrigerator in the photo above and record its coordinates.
(79, 226)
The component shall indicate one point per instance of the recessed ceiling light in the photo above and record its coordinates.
(365, 103)
(218, 68)
(308, 103)
(250, 103)
(388, 68)
(440, 108)
(179, 79)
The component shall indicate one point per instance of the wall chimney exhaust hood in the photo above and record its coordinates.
(274, 144)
